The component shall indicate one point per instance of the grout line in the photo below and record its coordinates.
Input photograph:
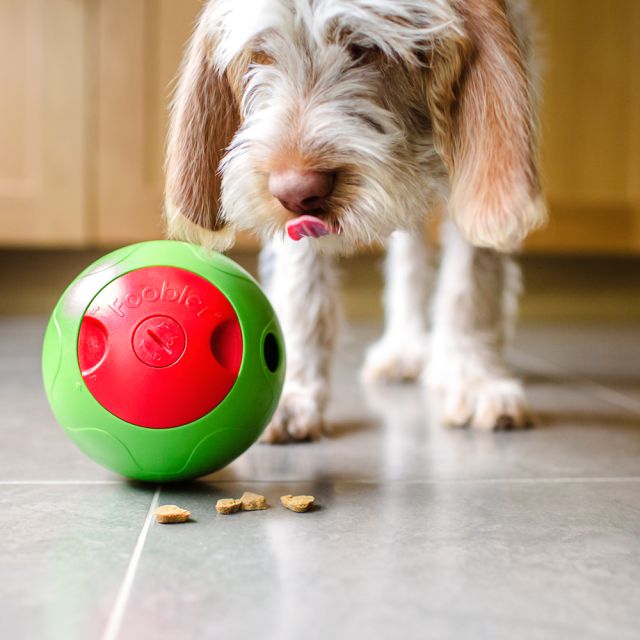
(430, 481)
(603, 392)
(568, 480)
(426, 481)
(316, 481)
(117, 613)
(59, 482)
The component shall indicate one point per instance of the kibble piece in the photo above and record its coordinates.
(252, 501)
(171, 514)
(225, 506)
(300, 504)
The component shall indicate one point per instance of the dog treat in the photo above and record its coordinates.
(252, 502)
(299, 504)
(171, 514)
(225, 506)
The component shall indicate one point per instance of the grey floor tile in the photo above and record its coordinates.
(383, 433)
(439, 533)
(575, 436)
(21, 337)
(392, 432)
(442, 560)
(64, 553)
(608, 354)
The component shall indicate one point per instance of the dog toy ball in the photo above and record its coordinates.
(162, 361)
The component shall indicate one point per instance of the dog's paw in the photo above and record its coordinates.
(298, 417)
(394, 359)
(469, 393)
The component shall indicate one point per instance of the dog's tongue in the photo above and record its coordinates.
(307, 227)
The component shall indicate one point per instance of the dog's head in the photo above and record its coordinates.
(359, 113)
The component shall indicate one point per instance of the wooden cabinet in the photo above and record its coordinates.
(140, 46)
(591, 125)
(86, 85)
(43, 178)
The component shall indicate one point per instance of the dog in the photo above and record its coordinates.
(325, 125)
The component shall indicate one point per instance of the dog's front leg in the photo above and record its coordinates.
(400, 353)
(301, 285)
(475, 304)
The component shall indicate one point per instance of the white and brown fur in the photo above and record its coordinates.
(414, 104)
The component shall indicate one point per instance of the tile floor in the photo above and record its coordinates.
(422, 532)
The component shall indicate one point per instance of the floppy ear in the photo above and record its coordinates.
(483, 109)
(204, 117)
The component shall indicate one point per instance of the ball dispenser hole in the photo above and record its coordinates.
(226, 345)
(93, 345)
(271, 352)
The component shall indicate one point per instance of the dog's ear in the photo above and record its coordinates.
(204, 118)
(482, 106)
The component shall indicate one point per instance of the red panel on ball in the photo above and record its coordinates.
(160, 347)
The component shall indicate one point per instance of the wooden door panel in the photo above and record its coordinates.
(590, 122)
(140, 44)
(42, 104)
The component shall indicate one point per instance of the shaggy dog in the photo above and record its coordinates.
(324, 125)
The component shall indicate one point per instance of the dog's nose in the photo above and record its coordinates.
(302, 191)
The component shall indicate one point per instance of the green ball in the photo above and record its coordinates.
(163, 361)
